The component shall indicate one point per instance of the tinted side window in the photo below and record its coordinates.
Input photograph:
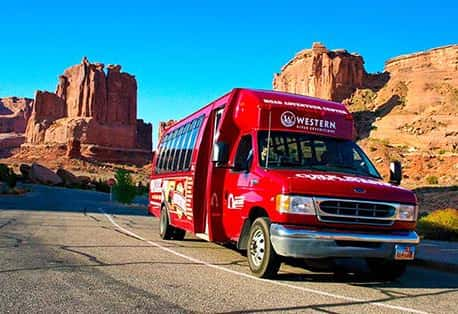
(171, 152)
(162, 153)
(178, 148)
(184, 145)
(175, 150)
(159, 154)
(195, 127)
(244, 154)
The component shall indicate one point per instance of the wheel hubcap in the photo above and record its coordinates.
(257, 247)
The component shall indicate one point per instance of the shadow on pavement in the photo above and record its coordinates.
(409, 287)
(356, 273)
(112, 211)
(59, 199)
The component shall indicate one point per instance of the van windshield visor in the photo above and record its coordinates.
(290, 150)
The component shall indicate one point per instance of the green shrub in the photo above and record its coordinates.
(432, 180)
(8, 176)
(442, 151)
(142, 189)
(440, 225)
(124, 190)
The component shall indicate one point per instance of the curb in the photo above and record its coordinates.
(448, 267)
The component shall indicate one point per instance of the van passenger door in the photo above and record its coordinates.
(237, 187)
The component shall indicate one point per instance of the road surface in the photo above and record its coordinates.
(72, 251)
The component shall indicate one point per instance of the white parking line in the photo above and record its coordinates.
(304, 289)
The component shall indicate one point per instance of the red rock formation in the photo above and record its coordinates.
(68, 178)
(412, 105)
(144, 131)
(14, 114)
(48, 106)
(122, 96)
(322, 73)
(41, 174)
(83, 88)
(426, 115)
(73, 148)
(92, 107)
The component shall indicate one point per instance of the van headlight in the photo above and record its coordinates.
(289, 204)
(407, 212)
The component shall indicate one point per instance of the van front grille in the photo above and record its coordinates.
(354, 211)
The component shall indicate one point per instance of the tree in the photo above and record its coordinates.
(124, 190)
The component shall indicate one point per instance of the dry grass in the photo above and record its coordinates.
(440, 225)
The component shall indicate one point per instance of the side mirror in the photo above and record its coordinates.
(220, 154)
(395, 172)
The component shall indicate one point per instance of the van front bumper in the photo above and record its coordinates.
(308, 243)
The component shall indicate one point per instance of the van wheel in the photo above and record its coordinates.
(165, 229)
(178, 234)
(385, 269)
(262, 259)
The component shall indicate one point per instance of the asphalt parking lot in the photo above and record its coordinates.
(74, 251)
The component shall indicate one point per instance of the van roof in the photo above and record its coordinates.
(286, 96)
(271, 95)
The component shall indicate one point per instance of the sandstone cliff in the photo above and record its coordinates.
(425, 114)
(97, 109)
(14, 114)
(322, 73)
(408, 112)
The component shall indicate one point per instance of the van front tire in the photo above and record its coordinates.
(165, 229)
(178, 234)
(262, 259)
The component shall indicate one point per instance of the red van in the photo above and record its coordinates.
(280, 175)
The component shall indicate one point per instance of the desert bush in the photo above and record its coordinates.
(440, 225)
(101, 186)
(8, 176)
(124, 191)
(432, 180)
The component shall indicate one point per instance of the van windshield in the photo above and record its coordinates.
(290, 150)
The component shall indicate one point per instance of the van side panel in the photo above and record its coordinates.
(174, 188)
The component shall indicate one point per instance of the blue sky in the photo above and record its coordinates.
(186, 53)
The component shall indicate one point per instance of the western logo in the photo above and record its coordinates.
(288, 119)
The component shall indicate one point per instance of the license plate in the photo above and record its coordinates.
(404, 252)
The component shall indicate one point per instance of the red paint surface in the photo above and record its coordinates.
(214, 190)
